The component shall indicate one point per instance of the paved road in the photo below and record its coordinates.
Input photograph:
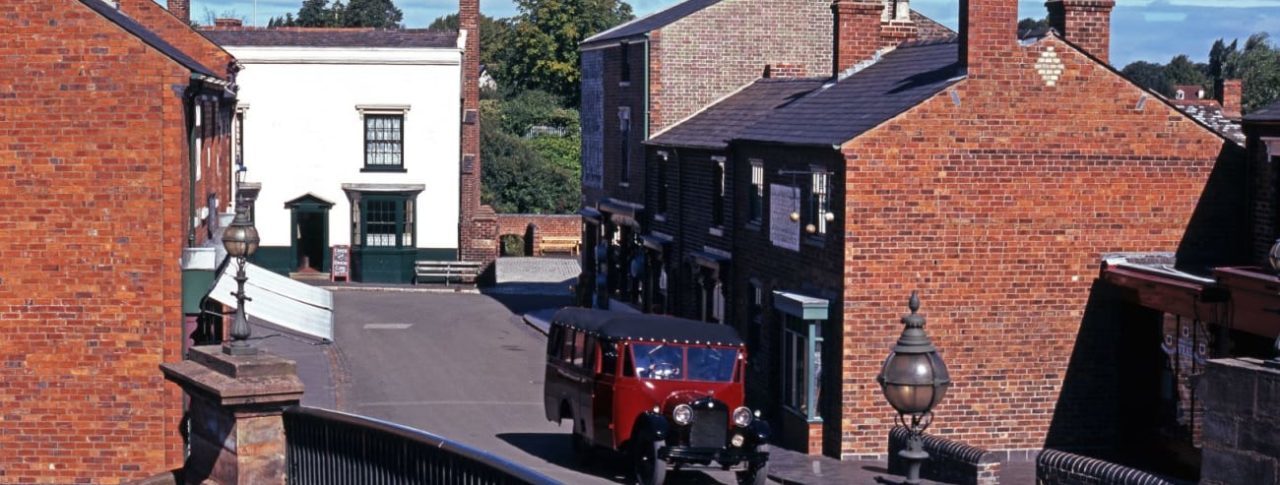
(465, 367)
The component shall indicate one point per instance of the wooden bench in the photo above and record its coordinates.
(460, 271)
(562, 244)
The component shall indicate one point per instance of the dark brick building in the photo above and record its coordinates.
(968, 169)
(114, 127)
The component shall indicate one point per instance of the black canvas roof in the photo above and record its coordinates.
(650, 22)
(146, 35)
(324, 37)
(1268, 113)
(727, 119)
(841, 111)
(638, 326)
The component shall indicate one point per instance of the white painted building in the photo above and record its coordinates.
(355, 137)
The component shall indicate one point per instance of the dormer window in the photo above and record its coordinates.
(1181, 95)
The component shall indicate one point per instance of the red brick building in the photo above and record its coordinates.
(970, 169)
(114, 127)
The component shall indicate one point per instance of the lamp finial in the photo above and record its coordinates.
(914, 302)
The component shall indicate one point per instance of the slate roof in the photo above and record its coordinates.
(714, 126)
(1210, 113)
(325, 37)
(147, 36)
(928, 28)
(840, 111)
(642, 326)
(1269, 113)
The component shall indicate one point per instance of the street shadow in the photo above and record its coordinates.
(521, 303)
(554, 448)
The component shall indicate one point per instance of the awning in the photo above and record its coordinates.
(708, 259)
(801, 306)
(656, 241)
(284, 302)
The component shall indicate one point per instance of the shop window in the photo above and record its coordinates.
(802, 365)
(384, 221)
(819, 203)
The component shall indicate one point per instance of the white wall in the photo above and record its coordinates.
(303, 133)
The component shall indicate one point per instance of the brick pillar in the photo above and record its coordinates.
(988, 34)
(1230, 95)
(1241, 440)
(181, 9)
(473, 234)
(857, 31)
(1085, 23)
(236, 406)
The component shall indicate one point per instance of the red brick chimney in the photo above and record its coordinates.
(1230, 95)
(181, 9)
(988, 35)
(227, 24)
(1085, 23)
(863, 27)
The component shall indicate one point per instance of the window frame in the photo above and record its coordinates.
(624, 144)
(717, 200)
(404, 214)
(819, 203)
(802, 343)
(755, 196)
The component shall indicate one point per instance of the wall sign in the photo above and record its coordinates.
(783, 201)
(340, 264)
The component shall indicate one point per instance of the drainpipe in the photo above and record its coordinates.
(192, 158)
(647, 84)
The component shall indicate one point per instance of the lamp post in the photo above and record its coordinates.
(241, 240)
(914, 380)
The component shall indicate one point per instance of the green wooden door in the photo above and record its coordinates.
(385, 251)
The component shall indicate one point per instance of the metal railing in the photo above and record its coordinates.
(331, 447)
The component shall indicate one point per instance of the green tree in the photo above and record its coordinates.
(1258, 67)
(1148, 75)
(1029, 25)
(382, 14)
(1181, 71)
(317, 13)
(493, 36)
(543, 52)
(516, 179)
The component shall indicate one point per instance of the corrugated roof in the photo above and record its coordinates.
(1269, 113)
(146, 35)
(325, 37)
(841, 111)
(713, 127)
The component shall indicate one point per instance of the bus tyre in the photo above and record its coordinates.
(756, 473)
(650, 469)
(581, 450)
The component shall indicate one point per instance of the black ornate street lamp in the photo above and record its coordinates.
(241, 240)
(914, 380)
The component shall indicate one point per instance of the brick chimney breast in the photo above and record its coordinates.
(988, 35)
(180, 9)
(1231, 96)
(228, 23)
(1085, 23)
(857, 31)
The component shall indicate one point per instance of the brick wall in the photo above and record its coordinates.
(477, 231)
(732, 49)
(1085, 23)
(94, 191)
(618, 94)
(541, 225)
(998, 208)
(178, 32)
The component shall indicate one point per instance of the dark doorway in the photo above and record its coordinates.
(309, 234)
(313, 226)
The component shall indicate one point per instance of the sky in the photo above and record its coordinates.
(1149, 30)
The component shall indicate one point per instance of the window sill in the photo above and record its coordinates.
(624, 184)
(815, 241)
(659, 218)
(716, 231)
(754, 226)
(381, 169)
(624, 84)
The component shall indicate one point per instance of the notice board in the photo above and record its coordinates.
(783, 201)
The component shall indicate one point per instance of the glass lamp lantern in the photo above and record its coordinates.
(914, 379)
(241, 237)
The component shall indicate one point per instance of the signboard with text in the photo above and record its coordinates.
(340, 264)
(784, 201)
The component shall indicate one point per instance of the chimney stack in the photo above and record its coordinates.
(988, 34)
(1230, 95)
(1085, 23)
(228, 24)
(180, 9)
(863, 27)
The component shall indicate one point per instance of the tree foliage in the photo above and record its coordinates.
(1029, 25)
(382, 14)
(525, 173)
(494, 34)
(543, 52)
(1257, 65)
(1149, 75)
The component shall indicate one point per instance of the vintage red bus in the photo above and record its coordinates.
(664, 391)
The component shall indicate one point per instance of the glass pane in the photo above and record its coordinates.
(380, 223)
(658, 361)
(712, 364)
(383, 140)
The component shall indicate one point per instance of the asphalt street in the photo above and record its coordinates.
(464, 366)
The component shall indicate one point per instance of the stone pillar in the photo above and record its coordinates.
(1241, 423)
(236, 406)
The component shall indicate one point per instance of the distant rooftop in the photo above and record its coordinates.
(1269, 113)
(713, 127)
(331, 37)
(1210, 113)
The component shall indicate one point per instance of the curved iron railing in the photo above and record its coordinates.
(332, 447)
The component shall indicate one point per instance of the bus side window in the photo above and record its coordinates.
(579, 347)
(566, 351)
(553, 342)
(589, 360)
(628, 368)
(608, 357)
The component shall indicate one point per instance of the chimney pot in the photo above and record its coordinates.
(180, 9)
(1231, 96)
